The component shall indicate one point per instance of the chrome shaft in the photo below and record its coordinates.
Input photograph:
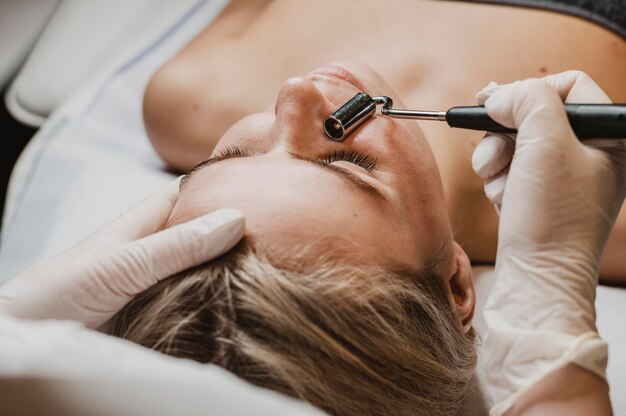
(415, 114)
(387, 110)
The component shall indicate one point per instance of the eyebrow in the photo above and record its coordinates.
(345, 174)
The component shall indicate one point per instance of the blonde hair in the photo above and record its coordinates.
(350, 340)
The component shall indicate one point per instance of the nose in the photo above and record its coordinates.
(301, 109)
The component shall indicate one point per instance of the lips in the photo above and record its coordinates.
(339, 73)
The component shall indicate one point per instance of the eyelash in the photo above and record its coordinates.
(366, 162)
(233, 151)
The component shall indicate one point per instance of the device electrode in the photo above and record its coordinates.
(606, 121)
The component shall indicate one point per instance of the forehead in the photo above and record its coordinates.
(290, 203)
(277, 184)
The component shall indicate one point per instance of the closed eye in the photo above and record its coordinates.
(228, 152)
(365, 161)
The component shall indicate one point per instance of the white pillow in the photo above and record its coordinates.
(59, 367)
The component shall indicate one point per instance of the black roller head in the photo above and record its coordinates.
(349, 116)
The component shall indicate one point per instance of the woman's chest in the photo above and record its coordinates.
(434, 54)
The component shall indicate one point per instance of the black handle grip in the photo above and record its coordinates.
(589, 121)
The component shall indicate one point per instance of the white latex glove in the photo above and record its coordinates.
(557, 200)
(95, 278)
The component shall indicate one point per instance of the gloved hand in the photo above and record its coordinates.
(95, 278)
(557, 199)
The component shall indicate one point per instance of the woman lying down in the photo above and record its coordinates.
(352, 288)
(348, 290)
(348, 274)
(236, 67)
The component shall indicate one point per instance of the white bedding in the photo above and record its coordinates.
(91, 161)
(80, 372)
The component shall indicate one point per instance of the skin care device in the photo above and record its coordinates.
(589, 121)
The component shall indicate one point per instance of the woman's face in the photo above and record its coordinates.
(376, 196)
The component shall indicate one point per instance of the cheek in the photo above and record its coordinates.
(396, 142)
(254, 133)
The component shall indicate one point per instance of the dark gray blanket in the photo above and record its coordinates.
(608, 13)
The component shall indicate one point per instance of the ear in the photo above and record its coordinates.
(461, 287)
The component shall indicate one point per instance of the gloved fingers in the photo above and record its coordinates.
(492, 154)
(572, 86)
(137, 265)
(577, 87)
(532, 107)
(145, 218)
(494, 188)
(486, 92)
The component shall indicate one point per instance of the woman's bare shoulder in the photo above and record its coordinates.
(182, 96)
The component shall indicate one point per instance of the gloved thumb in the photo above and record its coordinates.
(132, 267)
